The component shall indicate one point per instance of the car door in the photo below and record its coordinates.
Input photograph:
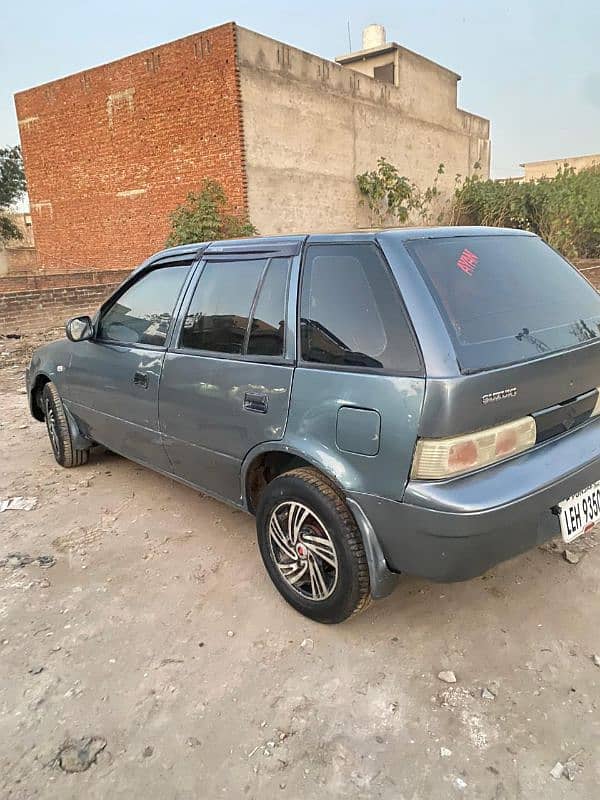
(113, 379)
(227, 377)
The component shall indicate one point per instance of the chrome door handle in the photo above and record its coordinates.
(256, 402)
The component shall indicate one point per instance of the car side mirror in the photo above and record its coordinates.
(79, 329)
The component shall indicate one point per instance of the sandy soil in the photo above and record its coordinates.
(157, 639)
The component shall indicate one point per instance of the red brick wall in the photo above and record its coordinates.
(111, 151)
(61, 280)
(40, 310)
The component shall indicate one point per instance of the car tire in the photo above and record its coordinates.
(311, 546)
(58, 430)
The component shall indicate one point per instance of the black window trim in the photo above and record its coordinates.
(413, 373)
(253, 250)
(186, 261)
(176, 333)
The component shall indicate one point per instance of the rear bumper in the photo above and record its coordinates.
(454, 530)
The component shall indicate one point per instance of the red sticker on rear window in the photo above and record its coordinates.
(467, 262)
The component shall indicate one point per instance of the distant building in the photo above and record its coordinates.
(549, 168)
(18, 256)
(111, 151)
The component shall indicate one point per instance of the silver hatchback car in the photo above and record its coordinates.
(415, 401)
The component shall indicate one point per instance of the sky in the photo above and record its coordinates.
(532, 68)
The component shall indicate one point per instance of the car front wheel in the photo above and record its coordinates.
(58, 430)
(311, 546)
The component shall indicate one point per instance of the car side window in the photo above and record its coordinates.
(351, 313)
(238, 307)
(143, 313)
(267, 329)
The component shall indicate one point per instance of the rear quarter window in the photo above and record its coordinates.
(351, 312)
(506, 299)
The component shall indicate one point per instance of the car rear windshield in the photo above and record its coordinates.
(506, 299)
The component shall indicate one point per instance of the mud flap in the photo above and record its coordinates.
(383, 580)
(80, 442)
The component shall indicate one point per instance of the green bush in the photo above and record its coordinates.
(202, 218)
(392, 198)
(564, 210)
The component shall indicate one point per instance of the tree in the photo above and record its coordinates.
(202, 218)
(12, 186)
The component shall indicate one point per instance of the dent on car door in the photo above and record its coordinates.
(114, 377)
(226, 380)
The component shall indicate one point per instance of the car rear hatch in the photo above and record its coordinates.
(525, 327)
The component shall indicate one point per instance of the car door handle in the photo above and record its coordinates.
(256, 402)
(141, 379)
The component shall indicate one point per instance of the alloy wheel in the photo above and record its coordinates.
(303, 550)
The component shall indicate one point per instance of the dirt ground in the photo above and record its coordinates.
(152, 649)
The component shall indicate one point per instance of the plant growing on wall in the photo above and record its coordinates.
(392, 197)
(202, 218)
(12, 186)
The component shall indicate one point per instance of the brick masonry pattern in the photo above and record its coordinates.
(110, 152)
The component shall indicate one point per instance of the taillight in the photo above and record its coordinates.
(443, 458)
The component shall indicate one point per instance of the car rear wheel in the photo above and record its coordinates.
(58, 430)
(311, 547)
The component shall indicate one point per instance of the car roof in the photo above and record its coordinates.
(264, 244)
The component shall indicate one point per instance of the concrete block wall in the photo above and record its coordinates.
(327, 123)
(111, 151)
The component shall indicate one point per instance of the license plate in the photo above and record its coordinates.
(580, 512)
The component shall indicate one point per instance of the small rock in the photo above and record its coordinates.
(45, 561)
(447, 676)
(78, 755)
(36, 670)
(147, 751)
(459, 784)
(307, 644)
(487, 695)
(230, 634)
(379, 739)
(596, 659)
(445, 752)
(571, 556)
(557, 770)
(193, 742)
